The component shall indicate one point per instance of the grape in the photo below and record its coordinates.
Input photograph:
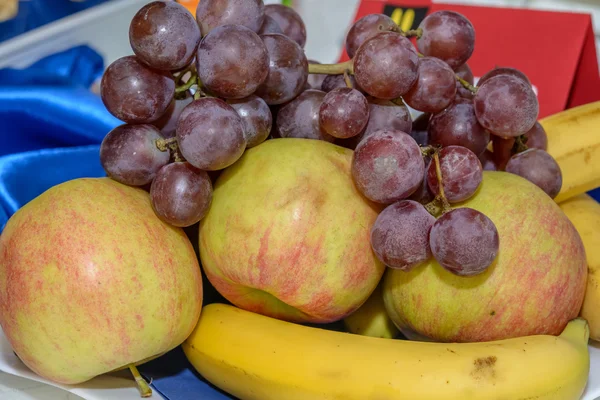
(400, 235)
(134, 93)
(506, 106)
(502, 151)
(337, 81)
(420, 129)
(386, 65)
(461, 173)
(232, 61)
(365, 28)
(538, 167)
(129, 155)
(537, 138)
(447, 35)
(288, 70)
(168, 122)
(387, 166)
(210, 134)
(487, 161)
(383, 114)
(269, 26)
(464, 241)
(211, 14)
(181, 194)
(289, 21)
(457, 125)
(315, 81)
(423, 195)
(464, 71)
(300, 117)
(164, 35)
(503, 71)
(256, 116)
(344, 113)
(435, 87)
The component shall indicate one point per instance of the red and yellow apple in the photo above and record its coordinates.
(287, 234)
(535, 285)
(92, 281)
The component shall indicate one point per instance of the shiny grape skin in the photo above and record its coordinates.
(232, 61)
(129, 155)
(300, 117)
(181, 194)
(269, 26)
(134, 93)
(288, 70)
(464, 241)
(386, 65)
(538, 167)
(164, 35)
(383, 114)
(344, 113)
(435, 87)
(210, 134)
(487, 161)
(503, 71)
(457, 125)
(464, 71)
(506, 106)
(447, 35)
(462, 173)
(400, 235)
(211, 14)
(337, 81)
(168, 122)
(387, 166)
(289, 21)
(365, 28)
(315, 81)
(537, 137)
(256, 116)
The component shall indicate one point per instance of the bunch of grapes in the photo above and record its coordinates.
(199, 91)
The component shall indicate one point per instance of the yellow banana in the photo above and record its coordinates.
(256, 357)
(574, 142)
(584, 213)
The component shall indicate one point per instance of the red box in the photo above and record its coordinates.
(556, 50)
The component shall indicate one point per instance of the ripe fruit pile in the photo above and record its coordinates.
(197, 94)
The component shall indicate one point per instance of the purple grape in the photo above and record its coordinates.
(134, 93)
(337, 81)
(300, 117)
(447, 35)
(400, 235)
(386, 65)
(232, 61)
(462, 173)
(420, 128)
(210, 134)
(506, 106)
(257, 118)
(383, 114)
(537, 138)
(435, 87)
(458, 126)
(464, 241)
(365, 28)
(315, 81)
(423, 194)
(181, 194)
(464, 71)
(387, 166)
(538, 167)
(164, 35)
(168, 122)
(503, 71)
(344, 113)
(129, 154)
(269, 26)
(487, 161)
(289, 21)
(502, 151)
(288, 70)
(211, 14)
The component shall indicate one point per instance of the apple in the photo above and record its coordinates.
(91, 281)
(535, 285)
(287, 234)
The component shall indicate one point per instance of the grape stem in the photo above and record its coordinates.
(427, 151)
(180, 76)
(520, 145)
(332, 69)
(466, 85)
(413, 32)
(347, 79)
(398, 101)
(441, 197)
(142, 385)
(185, 87)
(165, 144)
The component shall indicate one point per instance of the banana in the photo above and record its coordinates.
(255, 357)
(584, 213)
(574, 142)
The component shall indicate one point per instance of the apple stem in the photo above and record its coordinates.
(332, 69)
(441, 197)
(466, 85)
(520, 144)
(142, 385)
